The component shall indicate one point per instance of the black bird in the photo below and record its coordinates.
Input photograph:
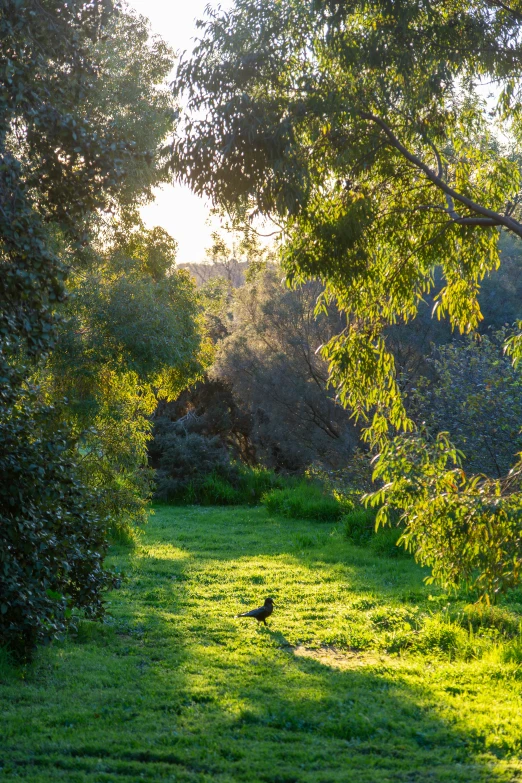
(261, 613)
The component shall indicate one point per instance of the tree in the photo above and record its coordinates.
(270, 361)
(361, 129)
(132, 334)
(476, 397)
(81, 118)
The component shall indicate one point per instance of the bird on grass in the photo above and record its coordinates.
(261, 613)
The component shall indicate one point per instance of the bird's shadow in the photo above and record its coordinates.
(277, 637)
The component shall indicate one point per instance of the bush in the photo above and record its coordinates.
(359, 529)
(304, 501)
(187, 463)
(51, 540)
(195, 469)
(440, 636)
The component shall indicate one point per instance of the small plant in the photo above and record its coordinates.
(512, 653)
(437, 635)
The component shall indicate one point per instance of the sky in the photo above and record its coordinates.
(180, 212)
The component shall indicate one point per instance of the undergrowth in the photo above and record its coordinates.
(305, 500)
(244, 485)
(359, 529)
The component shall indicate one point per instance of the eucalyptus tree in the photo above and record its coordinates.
(362, 129)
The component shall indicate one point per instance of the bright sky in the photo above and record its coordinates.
(176, 208)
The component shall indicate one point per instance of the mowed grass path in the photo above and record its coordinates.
(172, 687)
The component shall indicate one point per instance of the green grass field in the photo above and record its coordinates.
(364, 673)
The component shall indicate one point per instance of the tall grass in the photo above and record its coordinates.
(304, 501)
(245, 487)
(359, 529)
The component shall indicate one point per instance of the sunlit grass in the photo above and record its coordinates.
(363, 674)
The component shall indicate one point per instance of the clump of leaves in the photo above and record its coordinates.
(467, 529)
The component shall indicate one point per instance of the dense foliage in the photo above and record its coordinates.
(52, 542)
(133, 333)
(361, 128)
(193, 466)
(305, 500)
(477, 398)
(83, 114)
(468, 529)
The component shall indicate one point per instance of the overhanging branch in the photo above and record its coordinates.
(488, 217)
(505, 7)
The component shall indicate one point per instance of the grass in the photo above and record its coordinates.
(244, 486)
(359, 529)
(305, 500)
(364, 674)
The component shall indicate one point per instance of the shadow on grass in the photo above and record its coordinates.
(176, 690)
(260, 715)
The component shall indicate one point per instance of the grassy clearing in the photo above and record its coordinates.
(363, 674)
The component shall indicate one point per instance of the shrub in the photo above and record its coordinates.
(359, 529)
(215, 491)
(186, 462)
(195, 469)
(51, 540)
(255, 482)
(304, 501)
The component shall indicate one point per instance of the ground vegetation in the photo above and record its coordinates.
(363, 672)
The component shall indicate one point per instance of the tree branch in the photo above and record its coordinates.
(489, 216)
(498, 4)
